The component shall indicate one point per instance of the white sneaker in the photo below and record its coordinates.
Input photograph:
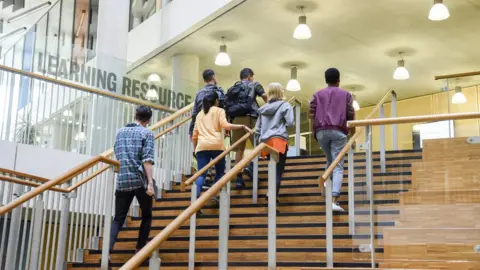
(337, 208)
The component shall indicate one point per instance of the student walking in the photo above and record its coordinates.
(330, 110)
(208, 139)
(241, 106)
(134, 149)
(271, 128)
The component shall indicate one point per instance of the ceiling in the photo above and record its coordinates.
(362, 40)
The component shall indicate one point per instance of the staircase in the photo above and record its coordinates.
(300, 224)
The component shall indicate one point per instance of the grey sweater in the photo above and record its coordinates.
(273, 120)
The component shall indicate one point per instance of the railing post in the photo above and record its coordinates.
(63, 232)
(297, 128)
(329, 221)
(193, 228)
(37, 234)
(255, 178)
(272, 214)
(351, 192)
(154, 263)
(224, 223)
(14, 232)
(383, 166)
(394, 126)
(107, 228)
(369, 173)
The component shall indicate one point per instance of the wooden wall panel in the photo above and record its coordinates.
(450, 149)
(445, 175)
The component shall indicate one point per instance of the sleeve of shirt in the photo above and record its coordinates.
(289, 118)
(195, 133)
(259, 91)
(350, 109)
(222, 118)
(148, 151)
(313, 105)
(194, 115)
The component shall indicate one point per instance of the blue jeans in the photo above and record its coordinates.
(203, 158)
(332, 142)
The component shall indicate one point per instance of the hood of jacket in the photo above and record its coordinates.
(270, 108)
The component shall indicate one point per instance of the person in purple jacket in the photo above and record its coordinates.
(330, 109)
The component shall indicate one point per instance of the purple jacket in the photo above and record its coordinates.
(332, 107)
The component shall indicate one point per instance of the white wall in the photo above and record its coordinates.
(173, 22)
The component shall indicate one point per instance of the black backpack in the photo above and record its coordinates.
(239, 100)
(204, 91)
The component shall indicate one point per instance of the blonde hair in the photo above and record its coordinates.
(275, 91)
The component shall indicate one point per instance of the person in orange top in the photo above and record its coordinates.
(274, 119)
(208, 139)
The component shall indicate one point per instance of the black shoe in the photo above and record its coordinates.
(240, 182)
(216, 202)
(249, 171)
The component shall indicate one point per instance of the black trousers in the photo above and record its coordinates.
(282, 159)
(123, 200)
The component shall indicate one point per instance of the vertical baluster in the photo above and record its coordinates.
(369, 173)
(108, 219)
(35, 257)
(297, 128)
(351, 192)
(394, 126)
(62, 232)
(272, 212)
(224, 222)
(14, 232)
(383, 166)
(193, 228)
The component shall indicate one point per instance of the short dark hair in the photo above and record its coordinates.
(143, 113)
(332, 76)
(245, 73)
(208, 75)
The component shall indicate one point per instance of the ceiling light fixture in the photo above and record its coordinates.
(152, 94)
(459, 97)
(28, 12)
(302, 31)
(439, 11)
(356, 105)
(401, 73)
(293, 84)
(222, 58)
(154, 78)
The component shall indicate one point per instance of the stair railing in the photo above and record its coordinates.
(87, 216)
(154, 244)
(327, 185)
(367, 124)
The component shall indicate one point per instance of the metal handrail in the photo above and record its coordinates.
(145, 252)
(350, 142)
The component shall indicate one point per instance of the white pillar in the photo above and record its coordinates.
(185, 76)
(112, 37)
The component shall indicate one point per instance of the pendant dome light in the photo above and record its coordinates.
(355, 104)
(154, 78)
(293, 84)
(439, 11)
(152, 94)
(302, 31)
(222, 58)
(401, 73)
(459, 97)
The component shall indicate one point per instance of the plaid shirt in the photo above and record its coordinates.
(134, 145)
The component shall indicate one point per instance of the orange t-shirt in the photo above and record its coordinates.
(208, 129)
(278, 144)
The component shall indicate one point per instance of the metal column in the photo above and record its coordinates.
(351, 192)
(154, 262)
(14, 232)
(224, 225)
(394, 126)
(272, 214)
(193, 228)
(329, 221)
(369, 173)
(255, 178)
(383, 166)
(62, 235)
(37, 234)
(107, 228)
(297, 129)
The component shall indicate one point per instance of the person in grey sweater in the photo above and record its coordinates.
(271, 128)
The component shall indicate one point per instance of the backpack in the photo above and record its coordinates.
(204, 91)
(239, 99)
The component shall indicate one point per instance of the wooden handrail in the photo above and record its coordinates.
(61, 179)
(292, 99)
(350, 142)
(26, 175)
(145, 252)
(214, 161)
(414, 119)
(458, 75)
(86, 89)
(28, 183)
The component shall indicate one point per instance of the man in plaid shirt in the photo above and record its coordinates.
(134, 149)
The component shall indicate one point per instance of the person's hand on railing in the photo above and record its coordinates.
(247, 129)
